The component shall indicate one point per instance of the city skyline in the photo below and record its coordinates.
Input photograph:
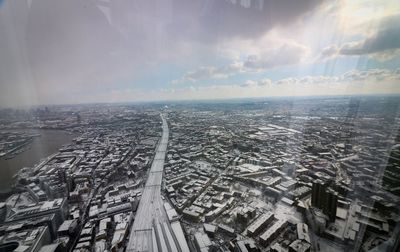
(277, 175)
(123, 51)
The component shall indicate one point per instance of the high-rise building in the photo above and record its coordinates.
(330, 205)
(318, 189)
(324, 198)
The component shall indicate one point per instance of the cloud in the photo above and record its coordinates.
(264, 82)
(382, 44)
(249, 84)
(210, 73)
(371, 81)
(330, 51)
(387, 38)
(53, 51)
(324, 84)
(350, 77)
(259, 83)
(217, 19)
(64, 45)
(377, 75)
(289, 53)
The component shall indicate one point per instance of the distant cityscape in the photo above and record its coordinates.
(269, 174)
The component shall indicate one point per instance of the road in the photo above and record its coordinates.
(150, 208)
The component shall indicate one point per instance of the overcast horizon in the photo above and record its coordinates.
(100, 51)
(205, 100)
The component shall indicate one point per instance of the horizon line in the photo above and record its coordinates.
(202, 100)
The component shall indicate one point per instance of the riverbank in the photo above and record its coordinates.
(49, 142)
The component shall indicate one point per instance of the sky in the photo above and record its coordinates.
(76, 51)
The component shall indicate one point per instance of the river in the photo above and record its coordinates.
(49, 142)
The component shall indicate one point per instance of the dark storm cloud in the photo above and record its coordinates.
(218, 18)
(54, 46)
(385, 39)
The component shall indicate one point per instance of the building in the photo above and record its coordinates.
(299, 246)
(260, 223)
(29, 239)
(273, 232)
(202, 242)
(302, 232)
(330, 205)
(325, 199)
(246, 246)
(318, 189)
